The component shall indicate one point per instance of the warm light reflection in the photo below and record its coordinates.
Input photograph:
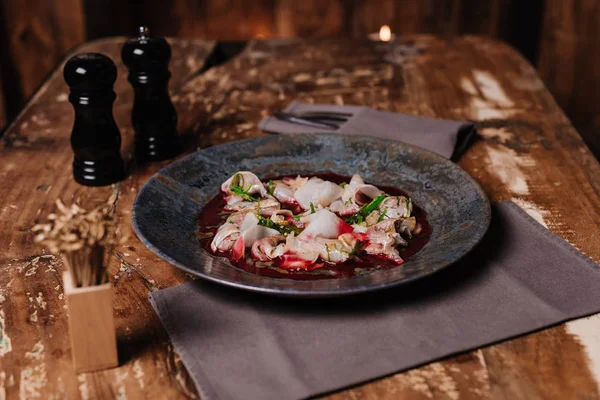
(385, 34)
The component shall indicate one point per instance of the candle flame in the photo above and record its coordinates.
(385, 34)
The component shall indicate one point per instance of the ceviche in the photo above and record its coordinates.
(308, 223)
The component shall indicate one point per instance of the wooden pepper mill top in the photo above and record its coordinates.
(154, 118)
(95, 138)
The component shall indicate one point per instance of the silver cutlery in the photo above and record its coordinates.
(316, 119)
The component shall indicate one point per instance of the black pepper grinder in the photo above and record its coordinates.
(154, 118)
(95, 139)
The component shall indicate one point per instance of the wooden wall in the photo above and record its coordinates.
(34, 36)
(569, 62)
(558, 36)
(242, 19)
(2, 108)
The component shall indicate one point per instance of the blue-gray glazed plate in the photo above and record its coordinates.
(166, 209)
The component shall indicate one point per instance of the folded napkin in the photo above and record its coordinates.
(239, 345)
(447, 138)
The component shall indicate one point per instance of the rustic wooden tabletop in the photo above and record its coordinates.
(529, 153)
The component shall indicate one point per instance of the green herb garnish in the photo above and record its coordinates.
(285, 230)
(242, 193)
(237, 187)
(343, 184)
(312, 208)
(382, 215)
(356, 249)
(367, 209)
(271, 188)
(297, 217)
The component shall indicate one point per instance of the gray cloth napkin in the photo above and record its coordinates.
(239, 345)
(447, 138)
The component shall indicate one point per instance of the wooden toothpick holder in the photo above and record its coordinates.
(91, 326)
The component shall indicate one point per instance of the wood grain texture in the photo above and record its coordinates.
(39, 33)
(91, 326)
(2, 109)
(241, 20)
(529, 152)
(569, 62)
(32, 301)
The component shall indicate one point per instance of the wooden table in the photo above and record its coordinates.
(529, 153)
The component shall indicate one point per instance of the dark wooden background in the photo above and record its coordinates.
(559, 37)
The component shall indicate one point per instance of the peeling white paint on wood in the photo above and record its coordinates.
(5, 343)
(37, 353)
(467, 85)
(481, 358)
(501, 134)
(120, 377)
(2, 387)
(587, 331)
(121, 394)
(482, 375)
(491, 88)
(40, 301)
(84, 390)
(506, 165)
(138, 373)
(418, 383)
(431, 382)
(444, 382)
(60, 390)
(534, 211)
(33, 378)
(488, 99)
(481, 110)
(4, 384)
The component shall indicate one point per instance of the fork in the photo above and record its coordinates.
(315, 119)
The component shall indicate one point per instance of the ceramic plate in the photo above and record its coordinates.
(167, 206)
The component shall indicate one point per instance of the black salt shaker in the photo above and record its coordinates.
(95, 139)
(154, 118)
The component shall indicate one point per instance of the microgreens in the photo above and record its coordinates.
(237, 187)
(285, 230)
(367, 209)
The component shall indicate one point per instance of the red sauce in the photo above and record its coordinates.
(213, 216)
